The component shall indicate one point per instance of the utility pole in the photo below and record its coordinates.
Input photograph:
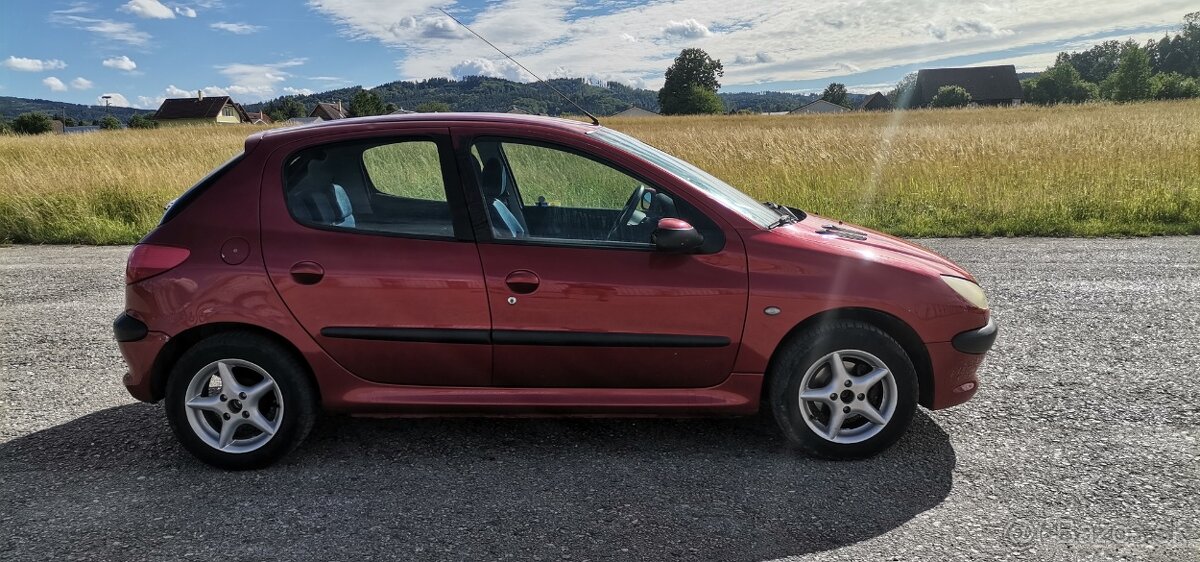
(106, 104)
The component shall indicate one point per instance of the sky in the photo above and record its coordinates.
(140, 52)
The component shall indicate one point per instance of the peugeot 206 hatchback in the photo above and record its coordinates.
(513, 265)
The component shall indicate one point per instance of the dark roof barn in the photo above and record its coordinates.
(988, 85)
(875, 102)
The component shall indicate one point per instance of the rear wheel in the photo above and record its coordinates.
(239, 401)
(843, 390)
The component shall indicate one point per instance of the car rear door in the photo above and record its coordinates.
(572, 307)
(366, 239)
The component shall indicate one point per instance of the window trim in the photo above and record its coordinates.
(483, 230)
(451, 180)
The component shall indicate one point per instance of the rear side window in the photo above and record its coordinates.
(393, 188)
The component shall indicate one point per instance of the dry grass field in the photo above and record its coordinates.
(1094, 170)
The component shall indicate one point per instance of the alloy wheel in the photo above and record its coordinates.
(848, 396)
(234, 406)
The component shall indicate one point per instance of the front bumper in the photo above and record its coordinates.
(977, 341)
(956, 364)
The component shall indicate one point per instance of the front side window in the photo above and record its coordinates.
(547, 193)
(389, 188)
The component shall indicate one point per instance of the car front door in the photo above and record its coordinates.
(368, 242)
(577, 299)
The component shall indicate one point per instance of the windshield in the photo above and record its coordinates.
(722, 192)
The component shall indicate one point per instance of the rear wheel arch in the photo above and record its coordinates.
(898, 329)
(185, 340)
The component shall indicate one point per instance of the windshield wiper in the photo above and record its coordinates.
(786, 215)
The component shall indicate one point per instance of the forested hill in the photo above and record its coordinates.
(477, 93)
(11, 107)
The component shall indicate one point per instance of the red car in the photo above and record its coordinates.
(512, 265)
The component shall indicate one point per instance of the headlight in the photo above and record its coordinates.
(969, 291)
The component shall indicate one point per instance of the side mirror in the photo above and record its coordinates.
(676, 235)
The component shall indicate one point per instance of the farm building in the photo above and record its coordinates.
(636, 111)
(819, 106)
(259, 118)
(200, 109)
(875, 102)
(328, 111)
(988, 85)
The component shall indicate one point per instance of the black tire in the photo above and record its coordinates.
(810, 349)
(299, 405)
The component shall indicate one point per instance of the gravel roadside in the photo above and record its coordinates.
(1082, 444)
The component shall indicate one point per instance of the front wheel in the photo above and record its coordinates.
(843, 390)
(239, 401)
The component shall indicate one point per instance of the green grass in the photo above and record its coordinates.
(1094, 170)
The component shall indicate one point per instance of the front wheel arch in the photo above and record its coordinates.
(185, 340)
(898, 329)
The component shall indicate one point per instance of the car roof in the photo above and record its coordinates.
(284, 134)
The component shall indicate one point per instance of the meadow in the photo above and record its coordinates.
(1091, 170)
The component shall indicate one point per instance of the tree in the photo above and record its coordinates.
(1173, 86)
(1131, 80)
(31, 124)
(902, 95)
(110, 123)
(951, 96)
(692, 72)
(1096, 63)
(433, 107)
(364, 103)
(1060, 83)
(140, 121)
(836, 93)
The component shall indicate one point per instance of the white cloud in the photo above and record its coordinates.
(491, 68)
(810, 42)
(117, 100)
(236, 28)
(297, 91)
(120, 63)
(687, 29)
(185, 11)
(119, 31)
(215, 91)
(33, 65)
(151, 9)
(253, 81)
(54, 84)
(174, 92)
(81, 83)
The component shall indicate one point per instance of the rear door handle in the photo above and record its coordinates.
(307, 272)
(522, 281)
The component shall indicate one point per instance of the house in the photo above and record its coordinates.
(988, 85)
(875, 102)
(259, 118)
(200, 109)
(636, 111)
(328, 111)
(820, 106)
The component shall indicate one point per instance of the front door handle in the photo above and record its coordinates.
(522, 281)
(307, 272)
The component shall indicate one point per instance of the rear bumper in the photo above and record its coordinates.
(139, 347)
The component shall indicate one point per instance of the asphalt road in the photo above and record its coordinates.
(1081, 445)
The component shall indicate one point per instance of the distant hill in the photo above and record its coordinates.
(11, 107)
(473, 93)
(478, 93)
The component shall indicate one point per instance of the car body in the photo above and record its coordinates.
(399, 293)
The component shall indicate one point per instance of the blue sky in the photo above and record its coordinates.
(141, 51)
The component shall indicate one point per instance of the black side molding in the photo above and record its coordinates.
(428, 335)
(603, 339)
(977, 341)
(127, 328)
(522, 337)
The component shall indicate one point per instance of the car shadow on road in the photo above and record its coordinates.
(114, 483)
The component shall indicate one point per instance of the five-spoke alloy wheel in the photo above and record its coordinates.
(843, 390)
(239, 400)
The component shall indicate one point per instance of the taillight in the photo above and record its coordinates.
(148, 260)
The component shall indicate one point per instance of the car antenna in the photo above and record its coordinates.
(539, 78)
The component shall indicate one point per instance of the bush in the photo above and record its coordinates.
(433, 107)
(951, 96)
(1173, 86)
(31, 124)
(110, 123)
(140, 121)
(1060, 83)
